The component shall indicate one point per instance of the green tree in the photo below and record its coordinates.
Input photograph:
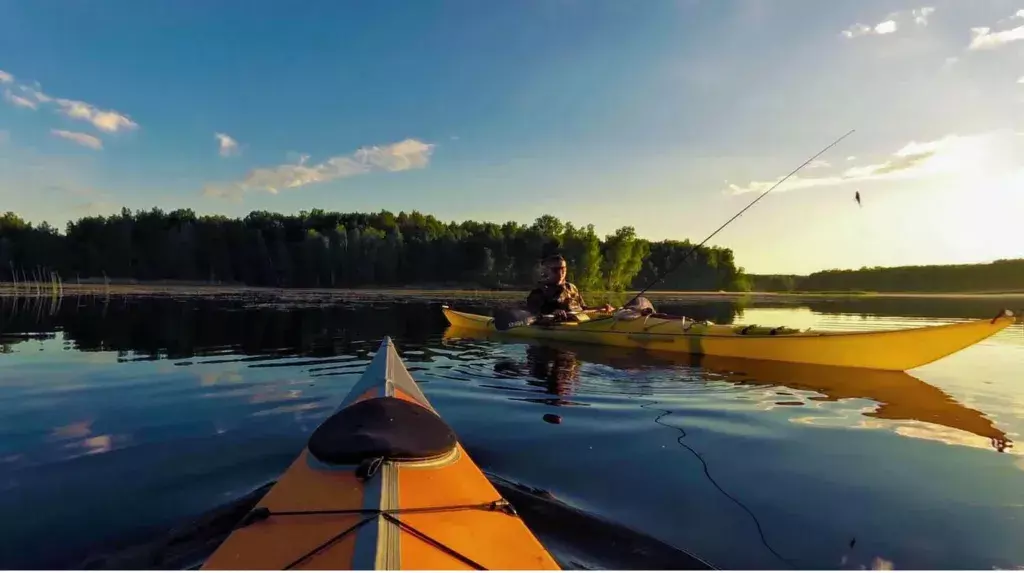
(582, 250)
(326, 248)
(622, 256)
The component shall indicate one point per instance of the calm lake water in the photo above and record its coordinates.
(121, 418)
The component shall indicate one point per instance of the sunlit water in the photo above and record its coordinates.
(123, 418)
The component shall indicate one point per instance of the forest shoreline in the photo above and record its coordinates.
(319, 249)
(197, 289)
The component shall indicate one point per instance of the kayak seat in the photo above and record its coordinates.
(384, 428)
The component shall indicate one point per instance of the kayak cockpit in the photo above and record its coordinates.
(383, 428)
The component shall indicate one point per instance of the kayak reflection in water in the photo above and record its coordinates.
(555, 295)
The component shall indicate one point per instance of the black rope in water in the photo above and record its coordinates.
(757, 523)
(262, 513)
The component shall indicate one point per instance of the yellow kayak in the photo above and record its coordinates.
(383, 483)
(880, 349)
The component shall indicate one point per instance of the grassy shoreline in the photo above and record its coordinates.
(205, 289)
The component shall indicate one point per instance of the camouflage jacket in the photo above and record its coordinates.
(546, 299)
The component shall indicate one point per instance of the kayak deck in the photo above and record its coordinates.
(382, 484)
(880, 349)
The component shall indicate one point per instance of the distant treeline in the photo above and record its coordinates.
(329, 249)
(1006, 275)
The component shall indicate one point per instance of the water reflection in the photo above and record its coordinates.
(898, 396)
(148, 328)
(169, 327)
(336, 339)
(555, 371)
(79, 439)
(177, 404)
(965, 306)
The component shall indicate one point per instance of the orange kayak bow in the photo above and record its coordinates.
(383, 483)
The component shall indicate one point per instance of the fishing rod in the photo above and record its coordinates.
(505, 319)
(672, 268)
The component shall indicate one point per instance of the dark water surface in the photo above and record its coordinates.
(120, 418)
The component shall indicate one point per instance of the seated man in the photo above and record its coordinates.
(555, 295)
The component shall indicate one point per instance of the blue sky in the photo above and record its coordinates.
(665, 115)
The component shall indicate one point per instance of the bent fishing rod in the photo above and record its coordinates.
(675, 265)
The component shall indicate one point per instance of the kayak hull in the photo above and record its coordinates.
(881, 349)
(399, 510)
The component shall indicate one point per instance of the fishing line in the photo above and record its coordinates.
(734, 217)
(707, 473)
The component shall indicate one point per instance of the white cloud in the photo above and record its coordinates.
(891, 23)
(31, 97)
(951, 154)
(296, 157)
(19, 101)
(1021, 80)
(818, 163)
(882, 28)
(887, 27)
(984, 39)
(228, 145)
(36, 94)
(79, 138)
(103, 120)
(856, 30)
(1019, 15)
(400, 156)
(921, 15)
